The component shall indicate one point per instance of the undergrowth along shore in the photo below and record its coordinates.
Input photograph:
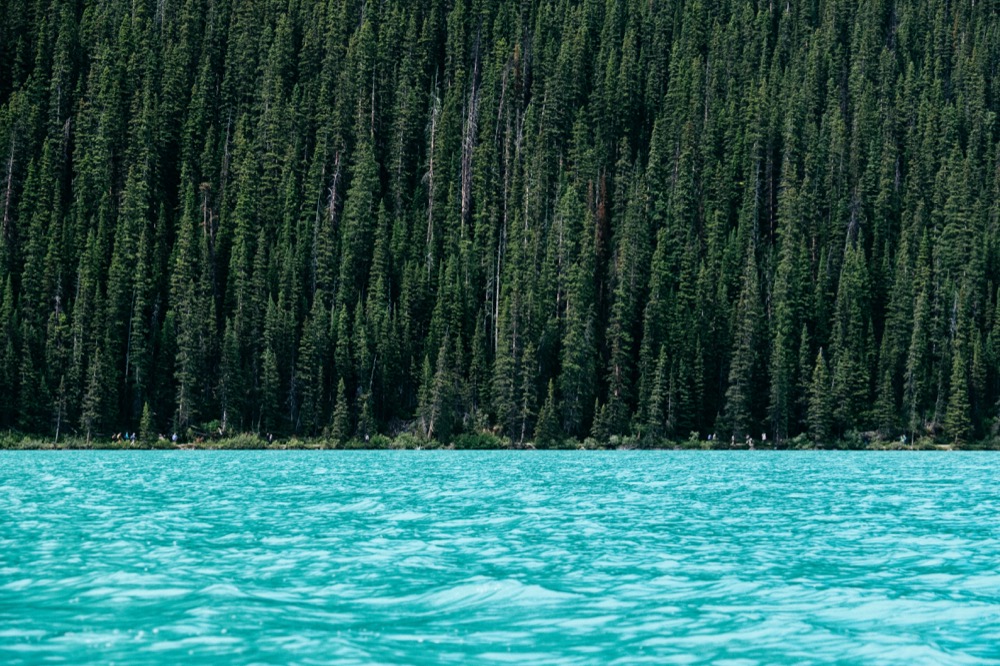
(477, 441)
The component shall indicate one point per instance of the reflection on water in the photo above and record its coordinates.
(514, 557)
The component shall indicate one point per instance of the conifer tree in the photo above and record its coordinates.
(310, 372)
(577, 381)
(147, 427)
(547, 431)
(739, 396)
(956, 423)
(340, 428)
(821, 403)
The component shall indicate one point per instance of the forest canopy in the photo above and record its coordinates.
(542, 218)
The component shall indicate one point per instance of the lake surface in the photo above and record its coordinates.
(504, 557)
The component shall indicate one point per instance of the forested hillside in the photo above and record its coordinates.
(544, 218)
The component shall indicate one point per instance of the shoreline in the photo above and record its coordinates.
(249, 442)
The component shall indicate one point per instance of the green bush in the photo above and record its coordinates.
(243, 440)
(478, 440)
(800, 441)
(406, 440)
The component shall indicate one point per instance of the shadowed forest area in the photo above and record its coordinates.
(543, 219)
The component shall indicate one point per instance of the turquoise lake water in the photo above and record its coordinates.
(503, 557)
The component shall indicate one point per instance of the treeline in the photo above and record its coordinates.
(543, 218)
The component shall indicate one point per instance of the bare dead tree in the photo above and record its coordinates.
(429, 177)
(8, 196)
(469, 137)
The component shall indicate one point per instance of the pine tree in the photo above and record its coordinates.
(739, 396)
(8, 356)
(147, 427)
(956, 422)
(851, 369)
(90, 419)
(658, 408)
(340, 428)
(821, 402)
(310, 371)
(547, 431)
(578, 379)
(360, 208)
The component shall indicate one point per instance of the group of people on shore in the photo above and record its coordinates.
(749, 443)
(132, 437)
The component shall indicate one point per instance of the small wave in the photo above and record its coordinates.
(192, 642)
(223, 591)
(406, 516)
(488, 592)
(361, 506)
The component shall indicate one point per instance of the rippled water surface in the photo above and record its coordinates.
(456, 557)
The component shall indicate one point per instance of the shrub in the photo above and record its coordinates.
(406, 440)
(243, 440)
(478, 440)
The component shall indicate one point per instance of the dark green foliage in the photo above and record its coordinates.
(821, 401)
(547, 431)
(147, 428)
(536, 220)
(340, 429)
(956, 422)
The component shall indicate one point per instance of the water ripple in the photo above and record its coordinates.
(452, 557)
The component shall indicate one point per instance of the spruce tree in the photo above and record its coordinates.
(740, 394)
(821, 402)
(147, 426)
(956, 421)
(547, 431)
(340, 428)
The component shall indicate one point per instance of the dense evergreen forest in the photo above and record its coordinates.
(543, 219)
